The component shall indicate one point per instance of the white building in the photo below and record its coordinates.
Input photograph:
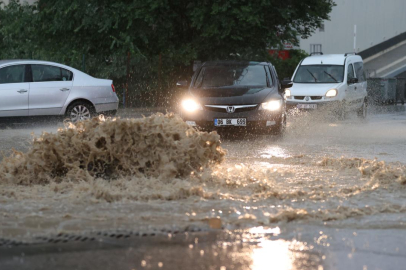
(376, 21)
(380, 34)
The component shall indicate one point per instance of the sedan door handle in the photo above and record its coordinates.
(64, 89)
(22, 91)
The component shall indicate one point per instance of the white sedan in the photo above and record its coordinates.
(39, 88)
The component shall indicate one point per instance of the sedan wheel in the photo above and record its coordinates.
(79, 112)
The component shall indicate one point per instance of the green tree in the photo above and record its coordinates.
(16, 30)
(185, 29)
(286, 68)
(163, 37)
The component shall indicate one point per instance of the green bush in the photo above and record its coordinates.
(286, 68)
(162, 37)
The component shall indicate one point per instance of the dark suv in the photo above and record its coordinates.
(231, 95)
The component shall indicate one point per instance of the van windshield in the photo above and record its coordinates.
(230, 75)
(319, 74)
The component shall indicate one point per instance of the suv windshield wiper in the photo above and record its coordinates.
(315, 79)
(330, 76)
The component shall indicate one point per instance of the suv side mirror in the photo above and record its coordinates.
(352, 80)
(182, 84)
(286, 83)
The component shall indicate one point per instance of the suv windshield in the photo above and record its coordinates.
(319, 74)
(227, 75)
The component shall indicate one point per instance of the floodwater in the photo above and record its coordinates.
(328, 195)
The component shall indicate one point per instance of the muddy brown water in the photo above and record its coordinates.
(324, 181)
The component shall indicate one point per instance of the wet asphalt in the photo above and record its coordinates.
(287, 245)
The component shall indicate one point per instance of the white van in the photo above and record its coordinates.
(336, 82)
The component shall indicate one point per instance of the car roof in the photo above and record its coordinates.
(9, 61)
(4, 63)
(27, 61)
(232, 62)
(329, 59)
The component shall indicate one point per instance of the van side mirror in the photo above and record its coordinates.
(196, 65)
(286, 83)
(352, 80)
(182, 84)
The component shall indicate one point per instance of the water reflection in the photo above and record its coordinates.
(262, 230)
(280, 254)
(272, 255)
(274, 151)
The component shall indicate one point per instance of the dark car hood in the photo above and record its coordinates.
(232, 95)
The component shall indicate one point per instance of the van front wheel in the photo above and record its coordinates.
(342, 111)
(362, 112)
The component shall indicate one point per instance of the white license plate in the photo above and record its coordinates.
(242, 122)
(307, 106)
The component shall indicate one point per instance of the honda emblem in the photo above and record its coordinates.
(230, 109)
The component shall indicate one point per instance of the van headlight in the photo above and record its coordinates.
(287, 93)
(331, 93)
(272, 105)
(190, 105)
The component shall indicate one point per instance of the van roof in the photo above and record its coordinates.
(329, 59)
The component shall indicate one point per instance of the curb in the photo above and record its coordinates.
(387, 108)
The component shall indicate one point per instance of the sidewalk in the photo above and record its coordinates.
(377, 109)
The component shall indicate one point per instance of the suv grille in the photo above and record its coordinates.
(215, 109)
(245, 109)
(237, 110)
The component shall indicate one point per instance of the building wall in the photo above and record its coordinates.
(376, 20)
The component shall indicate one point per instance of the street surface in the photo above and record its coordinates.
(330, 194)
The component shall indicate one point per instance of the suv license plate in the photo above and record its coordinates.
(307, 106)
(230, 122)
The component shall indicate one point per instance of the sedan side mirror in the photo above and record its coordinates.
(352, 80)
(286, 83)
(182, 84)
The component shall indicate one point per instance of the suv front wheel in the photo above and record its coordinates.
(280, 126)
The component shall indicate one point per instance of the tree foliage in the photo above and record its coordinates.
(175, 31)
(16, 30)
(287, 67)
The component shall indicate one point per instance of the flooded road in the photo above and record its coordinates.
(328, 195)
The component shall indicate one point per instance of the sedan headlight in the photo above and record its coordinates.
(331, 93)
(190, 105)
(272, 105)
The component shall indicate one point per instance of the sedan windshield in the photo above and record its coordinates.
(220, 76)
(319, 74)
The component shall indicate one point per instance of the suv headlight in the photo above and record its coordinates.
(190, 105)
(331, 93)
(272, 105)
